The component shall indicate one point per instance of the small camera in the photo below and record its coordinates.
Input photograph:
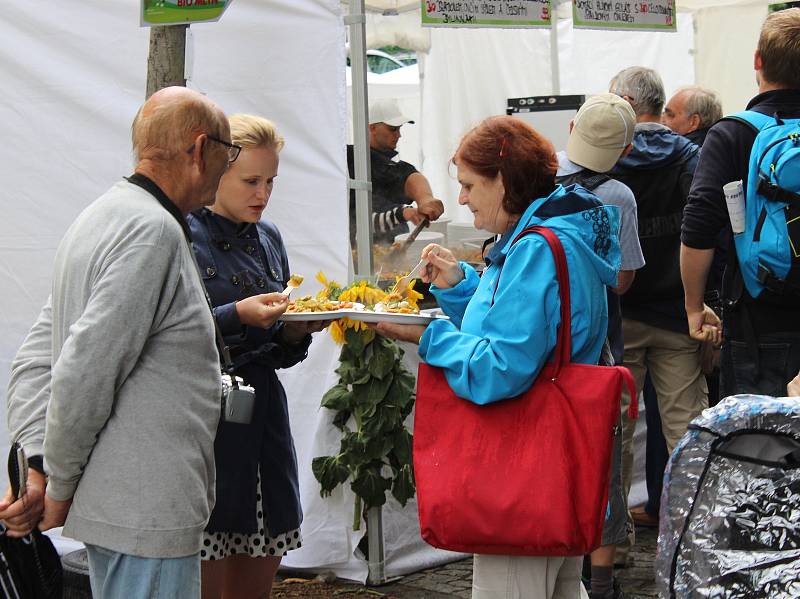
(237, 400)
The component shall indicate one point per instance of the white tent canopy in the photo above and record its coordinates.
(73, 76)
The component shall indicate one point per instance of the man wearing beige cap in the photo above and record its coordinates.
(600, 134)
(395, 183)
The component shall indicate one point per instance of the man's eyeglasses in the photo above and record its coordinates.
(233, 149)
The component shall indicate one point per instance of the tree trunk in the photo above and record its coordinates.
(167, 58)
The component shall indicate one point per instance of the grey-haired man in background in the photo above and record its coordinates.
(691, 112)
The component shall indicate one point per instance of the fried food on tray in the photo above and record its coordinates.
(396, 303)
(312, 304)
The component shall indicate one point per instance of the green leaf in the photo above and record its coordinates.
(377, 447)
(385, 422)
(403, 486)
(365, 412)
(402, 445)
(373, 391)
(354, 449)
(382, 361)
(330, 472)
(394, 347)
(354, 341)
(371, 486)
(340, 420)
(360, 377)
(346, 372)
(399, 395)
(406, 380)
(337, 398)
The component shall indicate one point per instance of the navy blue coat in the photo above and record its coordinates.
(237, 261)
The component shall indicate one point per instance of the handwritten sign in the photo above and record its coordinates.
(486, 13)
(178, 12)
(653, 15)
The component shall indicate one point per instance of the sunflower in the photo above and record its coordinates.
(361, 292)
(331, 290)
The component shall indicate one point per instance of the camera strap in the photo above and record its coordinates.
(224, 351)
(153, 189)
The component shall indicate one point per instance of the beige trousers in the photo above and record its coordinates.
(673, 360)
(522, 577)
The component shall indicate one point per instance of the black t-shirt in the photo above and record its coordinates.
(388, 187)
(725, 157)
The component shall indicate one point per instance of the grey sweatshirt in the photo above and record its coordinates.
(123, 367)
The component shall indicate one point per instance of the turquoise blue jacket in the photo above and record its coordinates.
(491, 351)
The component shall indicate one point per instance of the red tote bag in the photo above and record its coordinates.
(527, 475)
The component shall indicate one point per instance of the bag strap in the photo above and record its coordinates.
(155, 191)
(563, 349)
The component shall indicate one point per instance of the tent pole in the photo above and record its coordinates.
(554, 67)
(356, 20)
(362, 184)
(376, 573)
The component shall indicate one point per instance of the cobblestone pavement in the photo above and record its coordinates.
(455, 579)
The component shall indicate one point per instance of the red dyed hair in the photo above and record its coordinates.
(525, 159)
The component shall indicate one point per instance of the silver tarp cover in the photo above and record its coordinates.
(730, 508)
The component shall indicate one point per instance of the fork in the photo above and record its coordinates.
(290, 286)
(403, 281)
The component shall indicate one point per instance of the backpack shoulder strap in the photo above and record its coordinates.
(755, 120)
(586, 178)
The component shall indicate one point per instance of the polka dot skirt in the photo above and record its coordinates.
(218, 545)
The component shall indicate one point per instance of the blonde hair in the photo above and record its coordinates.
(250, 131)
(165, 124)
(779, 47)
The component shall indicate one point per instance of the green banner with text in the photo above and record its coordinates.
(180, 12)
(650, 15)
(486, 13)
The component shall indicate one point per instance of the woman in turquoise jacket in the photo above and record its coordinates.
(503, 324)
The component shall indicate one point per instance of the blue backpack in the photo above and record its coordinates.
(770, 243)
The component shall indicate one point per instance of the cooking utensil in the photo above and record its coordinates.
(397, 253)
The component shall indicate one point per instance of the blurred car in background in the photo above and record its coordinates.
(386, 68)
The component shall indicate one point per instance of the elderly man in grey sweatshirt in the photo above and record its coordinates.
(118, 382)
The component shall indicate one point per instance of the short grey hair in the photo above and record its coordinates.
(703, 102)
(643, 87)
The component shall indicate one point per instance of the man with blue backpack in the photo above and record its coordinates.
(761, 290)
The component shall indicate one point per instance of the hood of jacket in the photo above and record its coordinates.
(656, 146)
(575, 213)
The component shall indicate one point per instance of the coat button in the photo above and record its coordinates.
(211, 271)
(235, 279)
(226, 246)
(249, 249)
(274, 273)
(261, 282)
